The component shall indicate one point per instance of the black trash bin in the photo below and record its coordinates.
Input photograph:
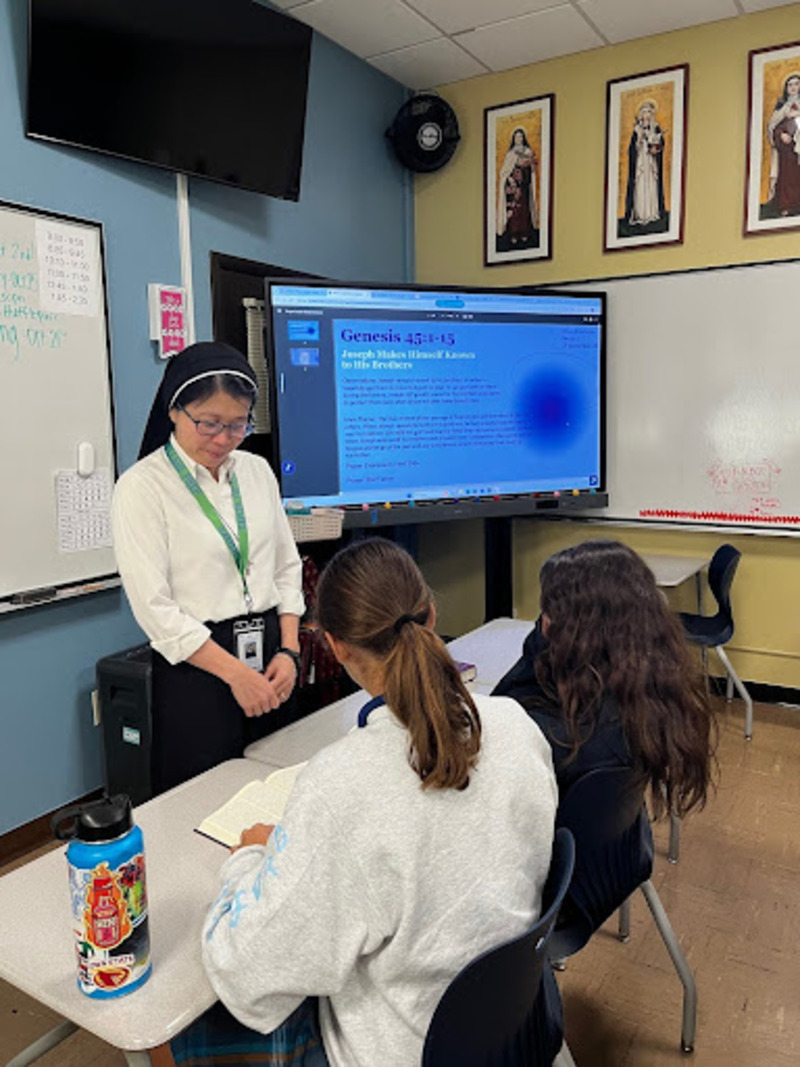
(124, 683)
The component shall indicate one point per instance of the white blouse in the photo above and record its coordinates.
(177, 571)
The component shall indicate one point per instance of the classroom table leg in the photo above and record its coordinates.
(137, 1059)
(698, 583)
(43, 1044)
(673, 852)
(624, 933)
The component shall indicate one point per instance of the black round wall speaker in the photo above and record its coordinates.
(424, 133)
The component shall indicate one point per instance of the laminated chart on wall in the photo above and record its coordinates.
(84, 510)
(55, 381)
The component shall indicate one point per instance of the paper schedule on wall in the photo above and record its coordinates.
(55, 380)
(68, 268)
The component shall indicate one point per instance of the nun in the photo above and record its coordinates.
(209, 566)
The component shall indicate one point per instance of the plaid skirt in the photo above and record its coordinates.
(217, 1038)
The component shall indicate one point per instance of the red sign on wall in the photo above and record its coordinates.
(168, 323)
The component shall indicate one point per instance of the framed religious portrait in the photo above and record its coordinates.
(645, 158)
(518, 180)
(772, 193)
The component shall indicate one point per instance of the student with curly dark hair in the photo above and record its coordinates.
(610, 679)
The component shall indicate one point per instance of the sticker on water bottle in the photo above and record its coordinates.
(109, 911)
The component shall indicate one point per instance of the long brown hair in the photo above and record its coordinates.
(611, 633)
(373, 597)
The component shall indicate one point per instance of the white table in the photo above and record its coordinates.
(493, 648)
(672, 571)
(38, 953)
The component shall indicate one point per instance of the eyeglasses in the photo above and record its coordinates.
(206, 428)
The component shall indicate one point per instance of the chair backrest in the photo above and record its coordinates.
(604, 810)
(721, 570)
(491, 1015)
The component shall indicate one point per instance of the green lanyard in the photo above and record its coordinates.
(239, 552)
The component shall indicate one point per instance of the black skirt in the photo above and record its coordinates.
(197, 723)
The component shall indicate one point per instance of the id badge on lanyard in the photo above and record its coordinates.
(248, 636)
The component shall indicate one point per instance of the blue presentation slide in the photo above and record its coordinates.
(426, 407)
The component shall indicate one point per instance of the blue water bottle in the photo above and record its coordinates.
(109, 896)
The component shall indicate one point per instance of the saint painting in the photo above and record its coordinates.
(773, 188)
(518, 151)
(645, 208)
(517, 213)
(644, 151)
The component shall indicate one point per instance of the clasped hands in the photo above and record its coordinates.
(258, 693)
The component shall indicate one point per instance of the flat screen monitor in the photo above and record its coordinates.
(401, 403)
(215, 88)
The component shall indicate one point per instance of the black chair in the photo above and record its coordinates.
(605, 812)
(504, 1009)
(714, 631)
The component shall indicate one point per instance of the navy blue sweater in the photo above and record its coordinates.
(604, 744)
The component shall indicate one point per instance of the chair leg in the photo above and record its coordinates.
(564, 1057)
(624, 933)
(748, 700)
(689, 1024)
(674, 850)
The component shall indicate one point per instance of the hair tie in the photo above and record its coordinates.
(419, 619)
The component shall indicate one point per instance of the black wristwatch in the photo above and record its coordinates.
(294, 656)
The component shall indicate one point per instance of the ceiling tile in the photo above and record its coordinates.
(454, 16)
(367, 27)
(407, 38)
(624, 20)
(425, 65)
(557, 31)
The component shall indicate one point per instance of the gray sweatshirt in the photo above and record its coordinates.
(373, 893)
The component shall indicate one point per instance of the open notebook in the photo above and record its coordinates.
(260, 801)
(264, 801)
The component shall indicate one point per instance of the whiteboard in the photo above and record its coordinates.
(56, 408)
(703, 391)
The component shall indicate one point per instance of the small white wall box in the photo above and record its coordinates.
(168, 325)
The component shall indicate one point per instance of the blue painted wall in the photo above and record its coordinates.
(353, 221)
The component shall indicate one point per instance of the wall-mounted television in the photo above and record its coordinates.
(215, 88)
(405, 404)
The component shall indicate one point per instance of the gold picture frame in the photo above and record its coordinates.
(518, 180)
(645, 158)
(772, 189)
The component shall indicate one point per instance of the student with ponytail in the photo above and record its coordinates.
(408, 847)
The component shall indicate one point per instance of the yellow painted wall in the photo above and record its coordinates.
(449, 249)
(449, 204)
